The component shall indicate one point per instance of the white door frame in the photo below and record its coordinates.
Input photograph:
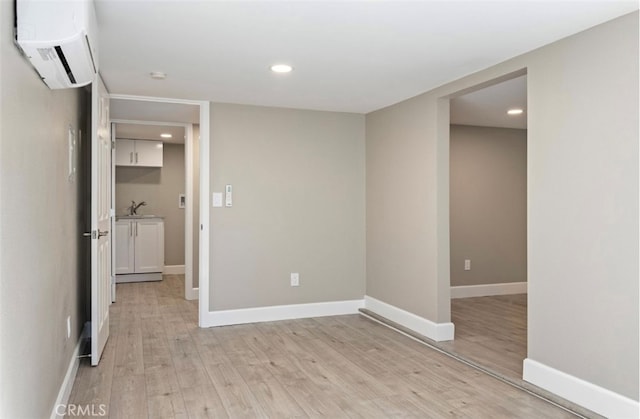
(190, 293)
(202, 292)
(112, 236)
(443, 122)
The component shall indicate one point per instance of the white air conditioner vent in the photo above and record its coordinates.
(59, 38)
(46, 54)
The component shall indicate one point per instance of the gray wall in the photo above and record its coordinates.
(298, 179)
(402, 234)
(583, 206)
(488, 204)
(159, 188)
(40, 233)
(582, 202)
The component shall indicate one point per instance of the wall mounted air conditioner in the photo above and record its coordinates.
(60, 39)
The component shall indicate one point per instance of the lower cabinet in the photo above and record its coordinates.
(139, 249)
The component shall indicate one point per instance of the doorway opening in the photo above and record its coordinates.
(156, 190)
(488, 225)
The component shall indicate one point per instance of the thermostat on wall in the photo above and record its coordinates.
(228, 198)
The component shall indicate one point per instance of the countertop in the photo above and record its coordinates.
(136, 217)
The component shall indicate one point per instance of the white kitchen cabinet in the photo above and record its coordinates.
(140, 153)
(149, 153)
(149, 246)
(125, 152)
(124, 247)
(139, 249)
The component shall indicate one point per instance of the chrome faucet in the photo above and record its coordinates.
(133, 209)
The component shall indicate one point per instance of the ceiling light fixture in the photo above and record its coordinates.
(158, 75)
(166, 135)
(516, 111)
(281, 68)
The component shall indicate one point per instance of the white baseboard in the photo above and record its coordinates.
(193, 294)
(598, 399)
(124, 278)
(173, 270)
(70, 376)
(466, 291)
(435, 331)
(275, 313)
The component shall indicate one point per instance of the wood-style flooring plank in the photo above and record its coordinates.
(236, 397)
(204, 403)
(159, 364)
(92, 385)
(491, 331)
(128, 397)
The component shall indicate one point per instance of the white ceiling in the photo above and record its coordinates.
(488, 107)
(150, 132)
(140, 110)
(351, 56)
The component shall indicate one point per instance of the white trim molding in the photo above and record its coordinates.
(173, 270)
(284, 312)
(70, 376)
(188, 213)
(598, 399)
(435, 331)
(484, 290)
(204, 278)
(192, 293)
(203, 229)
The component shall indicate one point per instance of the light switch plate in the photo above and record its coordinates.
(73, 154)
(217, 199)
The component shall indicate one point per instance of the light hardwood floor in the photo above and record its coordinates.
(491, 331)
(159, 364)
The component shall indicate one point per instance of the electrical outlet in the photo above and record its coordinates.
(295, 279)
(68, 327)
(467, 264)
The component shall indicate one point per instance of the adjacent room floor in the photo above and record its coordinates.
(491, 331)
(159, 364)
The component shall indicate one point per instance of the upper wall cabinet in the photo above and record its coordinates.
(141, 153)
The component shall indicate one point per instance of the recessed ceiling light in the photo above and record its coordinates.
(166, 135)
(516, 111)
(158, 75)
(281, 68)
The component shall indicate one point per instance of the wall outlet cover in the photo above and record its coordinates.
(295, 279)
